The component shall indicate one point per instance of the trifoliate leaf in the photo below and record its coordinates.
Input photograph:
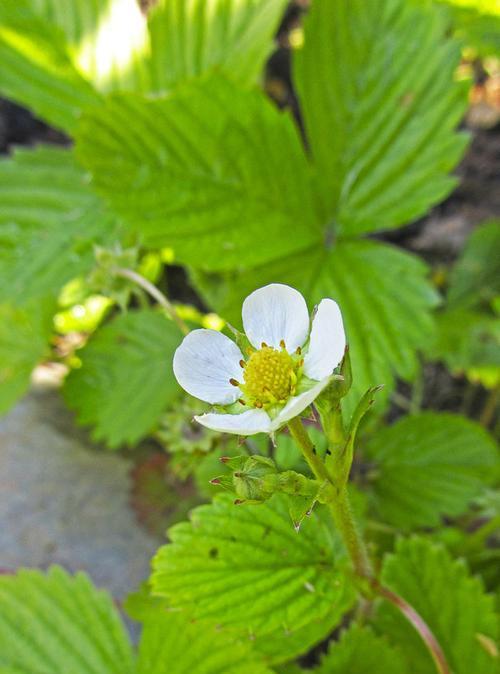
(235, 181)
(383, 294)
(246, 567)
(475, 278)
(54, 623)
(37, 69)
(189, 38)
(360, 651)
(375, 83)
(24, 341)
(49, 222)
(451, 602)
(171, 643)
(126, 379)
(428, 466)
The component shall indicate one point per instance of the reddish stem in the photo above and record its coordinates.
(419, 625)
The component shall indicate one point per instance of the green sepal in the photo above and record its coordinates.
(241, 340)
(299, 508)
(256, 478)
(339, 462)
(340, 384)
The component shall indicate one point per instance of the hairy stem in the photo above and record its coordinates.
(303, 440)
(340, 510)
(155, 294)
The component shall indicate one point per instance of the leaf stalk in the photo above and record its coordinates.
(155, 293)
(341, 512)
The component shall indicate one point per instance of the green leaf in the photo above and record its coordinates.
(173, 644)
(232, 171)
(451, 602)
(247, 568)
(383, 294)
(360, 651)
(428, 466)
(477, 24)
(193, 37)
(285, 645)
(49, 222)
(24, 341)
(126, 379)
(107, 39)
(57, 55)
(475, 278)
(375, 83)
(37, 69)
(54, 623)
(468, 341)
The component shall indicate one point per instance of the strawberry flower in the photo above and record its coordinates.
(286, 364)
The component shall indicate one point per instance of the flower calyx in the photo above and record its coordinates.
(254, 479)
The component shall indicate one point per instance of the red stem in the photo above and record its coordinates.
(419, 625)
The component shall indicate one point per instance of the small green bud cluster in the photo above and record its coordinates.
(254, 479)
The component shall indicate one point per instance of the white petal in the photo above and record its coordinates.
(298, 404)
(327, 343)
(273, 313)
(205, 362)
(246, 423)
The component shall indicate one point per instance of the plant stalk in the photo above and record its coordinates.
(340, 510)
(419, 624)
(155, 293)
(299, 434)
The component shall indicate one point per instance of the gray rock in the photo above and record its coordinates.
(64, 501)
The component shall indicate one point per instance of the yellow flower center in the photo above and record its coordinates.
(270, 376)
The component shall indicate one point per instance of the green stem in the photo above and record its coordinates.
(476, 540)
(155, 293)
(488, 411)
(341, 513)
(340, 508)
(303, 440)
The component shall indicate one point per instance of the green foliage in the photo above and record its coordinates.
(56, 624)
(476, 24)
(107, 40)
(191, 37)
(59, 55)
(37, 69)
(24, 337)
(173, 644)
(49, 222)
(468, 335)
(225, 186)
(452, 603)
(469, 342)
(475, 279)
(360, 651)
(126, 379)
(285, 645)
(428, 466)
(375, 86)
(245, 567)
